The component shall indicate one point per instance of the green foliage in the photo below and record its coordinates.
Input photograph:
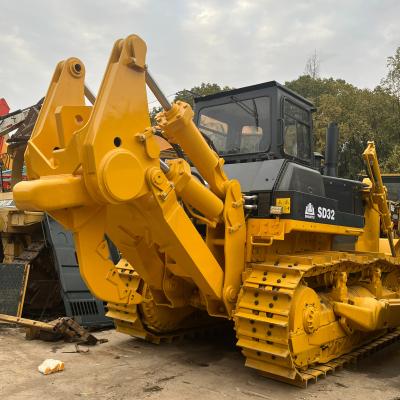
(392, 81)
(153, 112)
(361, 114)
(392, 164)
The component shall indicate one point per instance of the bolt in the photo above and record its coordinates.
(231, 294)
(157, 178)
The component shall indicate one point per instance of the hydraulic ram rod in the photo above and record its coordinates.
(177, 125)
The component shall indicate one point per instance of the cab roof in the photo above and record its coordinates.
(259, 86)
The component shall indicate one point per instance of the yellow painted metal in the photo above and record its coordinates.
(74, 194)
(284, 203)
(368, 314)
(12, 219)
(369, 239)
(44, 326)
(193, 192)
(288, 328)
(296, 302)
(378, 192)
(385, 248)
(234, 244)
(106, 164)
(178, 127)
(278, 228)
(144, 318)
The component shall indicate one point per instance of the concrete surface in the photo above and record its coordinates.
(126, 368)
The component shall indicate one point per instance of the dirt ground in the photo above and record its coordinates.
(126, 368)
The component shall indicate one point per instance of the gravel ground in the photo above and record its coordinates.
(126, 368)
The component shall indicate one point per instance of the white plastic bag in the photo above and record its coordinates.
(49, 366)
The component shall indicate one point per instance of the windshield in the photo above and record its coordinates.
(393, 189)
(241, 126)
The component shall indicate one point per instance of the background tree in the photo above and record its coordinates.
(390, 87)
(312, 66)
(391, 164)
(361, 114)
(392, 80)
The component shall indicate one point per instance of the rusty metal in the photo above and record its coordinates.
(64, 327)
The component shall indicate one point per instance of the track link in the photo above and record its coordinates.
(320, 371)
(262, 319)
(266, 305)
(148, 321)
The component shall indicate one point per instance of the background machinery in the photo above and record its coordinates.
(39, 275)
(392, 184)
(242, 226)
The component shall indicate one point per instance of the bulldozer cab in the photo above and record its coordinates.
(265, 121)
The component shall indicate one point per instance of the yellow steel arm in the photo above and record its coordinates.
(177, 125)
(378, 192)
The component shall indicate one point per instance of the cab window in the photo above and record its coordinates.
(297, 132)
(238, 127)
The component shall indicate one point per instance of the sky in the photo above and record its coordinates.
(229, 42)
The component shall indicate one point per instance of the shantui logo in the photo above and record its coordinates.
(309, 212)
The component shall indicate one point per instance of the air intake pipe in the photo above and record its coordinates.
(331, 150)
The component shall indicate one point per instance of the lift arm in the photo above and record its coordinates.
(378, 192)
(97, 171)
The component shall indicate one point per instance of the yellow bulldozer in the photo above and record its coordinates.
(241, 225)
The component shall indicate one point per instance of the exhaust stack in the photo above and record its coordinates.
(331, 150)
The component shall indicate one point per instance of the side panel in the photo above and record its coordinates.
(312, 197)
(259, 176)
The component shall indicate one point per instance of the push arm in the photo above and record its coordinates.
(378, 192)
